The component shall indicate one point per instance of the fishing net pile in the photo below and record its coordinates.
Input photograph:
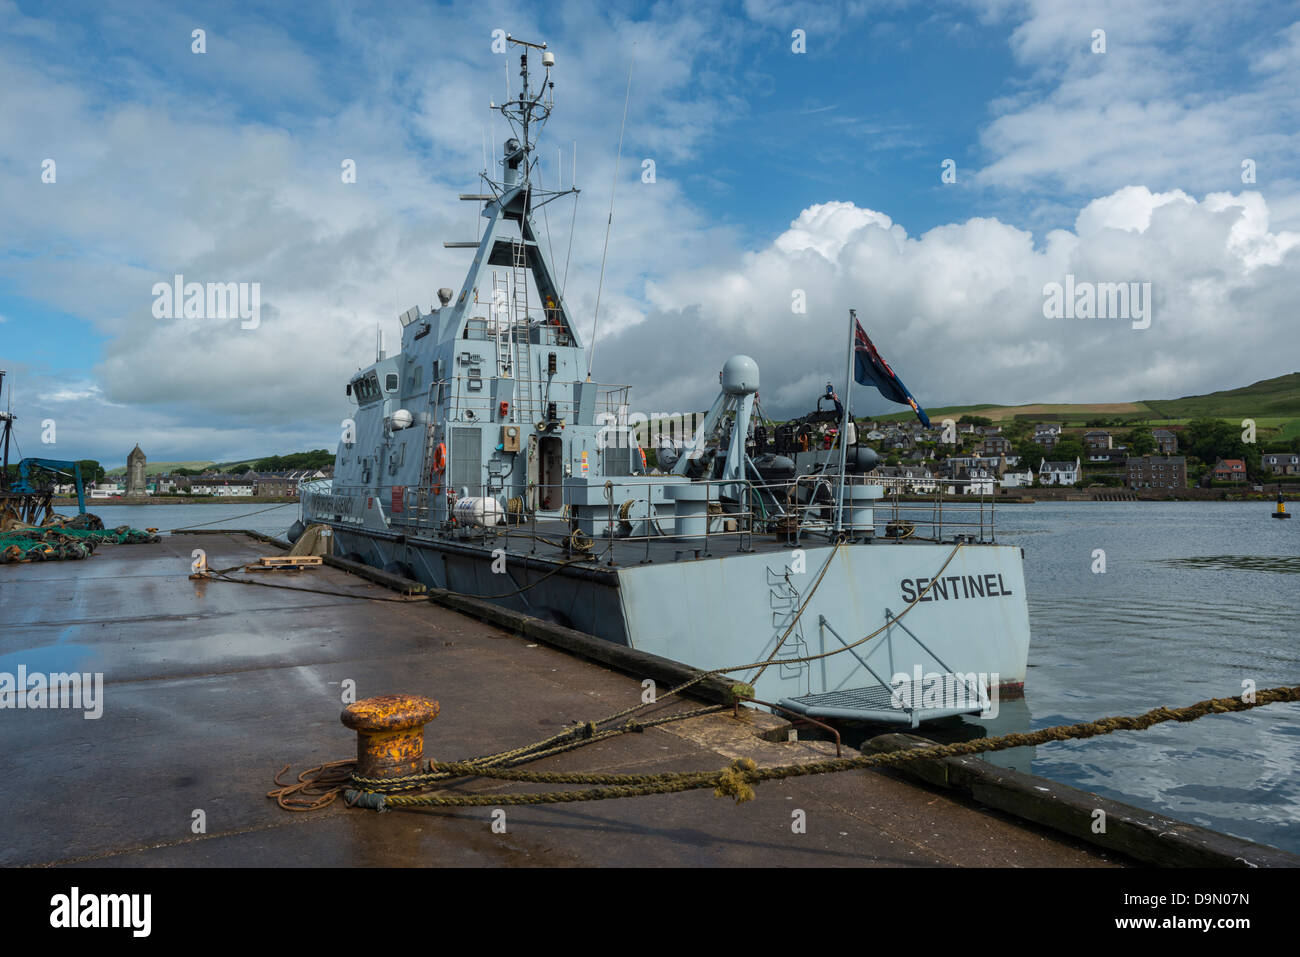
(65, 539)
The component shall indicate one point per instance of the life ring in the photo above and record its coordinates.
(440, 457)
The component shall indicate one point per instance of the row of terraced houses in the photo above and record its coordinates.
(993, 465)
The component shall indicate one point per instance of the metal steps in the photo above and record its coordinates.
(939, 695)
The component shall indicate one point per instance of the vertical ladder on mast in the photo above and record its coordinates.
(520, 333)
(501, 325)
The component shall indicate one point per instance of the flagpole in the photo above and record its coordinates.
(844, 426)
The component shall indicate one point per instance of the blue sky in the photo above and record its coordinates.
(775, 171)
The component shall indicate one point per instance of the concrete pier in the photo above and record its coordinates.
(210, 687)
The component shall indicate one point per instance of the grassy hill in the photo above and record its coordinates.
(156, 468)
(1270, 398)
(1274, 404)
(320, 458)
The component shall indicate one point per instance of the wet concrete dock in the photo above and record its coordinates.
(210, 687)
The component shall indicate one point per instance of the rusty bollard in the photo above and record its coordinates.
(390, 733)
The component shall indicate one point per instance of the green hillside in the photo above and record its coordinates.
(317, 459)
(1273, 403)
(157, 468)
(1269, 398)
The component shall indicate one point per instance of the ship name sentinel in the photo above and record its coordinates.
(971, 586)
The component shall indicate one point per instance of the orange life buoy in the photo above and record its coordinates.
(440, 457)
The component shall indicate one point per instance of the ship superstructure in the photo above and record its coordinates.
(482, 459)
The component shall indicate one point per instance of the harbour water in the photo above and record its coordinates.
(1195, 599)
(268, 519)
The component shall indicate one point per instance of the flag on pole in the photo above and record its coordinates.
(872, 369)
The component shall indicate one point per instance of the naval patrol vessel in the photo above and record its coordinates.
(481, 458)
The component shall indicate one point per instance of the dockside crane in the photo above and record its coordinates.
(21, 499)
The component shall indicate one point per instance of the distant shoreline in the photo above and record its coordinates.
(1112, 495)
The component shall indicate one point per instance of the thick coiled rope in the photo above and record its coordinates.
(738, 778)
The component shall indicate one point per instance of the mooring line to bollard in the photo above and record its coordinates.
(324, 783)
(323, 788)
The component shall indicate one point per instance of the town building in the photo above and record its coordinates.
(167, 483)
(908, 478)
(1166, 441)
(1058, 473)
(282, 484)
(224, 485)
(1017, 479)
(980, 481)
(1097, 439)
(1230, 470)
(956, 466)
(995, 445)
(1281, 463)
(1047, 434)
(1114, 456)
(1156, 471)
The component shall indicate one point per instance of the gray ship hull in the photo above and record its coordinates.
(727, 608)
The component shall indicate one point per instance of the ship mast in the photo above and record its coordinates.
(527, 115)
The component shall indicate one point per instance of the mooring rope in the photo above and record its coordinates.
(737, 779)
(322, 784)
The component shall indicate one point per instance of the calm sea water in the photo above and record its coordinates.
(1196, 598)
(268, 519)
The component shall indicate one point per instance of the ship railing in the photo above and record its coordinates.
(729, 515)
(464, 393)
(928, 507)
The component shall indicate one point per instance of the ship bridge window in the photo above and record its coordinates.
(390, 382)
(366, 388)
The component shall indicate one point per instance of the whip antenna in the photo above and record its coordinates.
(591, 352)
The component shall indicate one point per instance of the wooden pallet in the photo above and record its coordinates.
(293, 562)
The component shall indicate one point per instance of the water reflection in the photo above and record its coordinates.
(1197, 599)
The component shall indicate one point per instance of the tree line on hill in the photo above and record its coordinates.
(293, 462)
(92, 472)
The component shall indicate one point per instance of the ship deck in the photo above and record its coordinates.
(210, 687)
(547, 541)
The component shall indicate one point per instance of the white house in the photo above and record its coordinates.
(1011, 479)
(981, 481)
(909, 478)
(1058, 473)
(222, 487)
